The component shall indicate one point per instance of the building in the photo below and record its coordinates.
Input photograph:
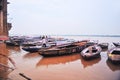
(4, 26)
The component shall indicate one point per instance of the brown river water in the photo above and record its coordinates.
(67, 67)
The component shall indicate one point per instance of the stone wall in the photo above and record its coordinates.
(3, 18)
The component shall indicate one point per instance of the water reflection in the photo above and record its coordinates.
(13, 48)
(87, 63)
(58, 60)
(113, 67)
(31, 55)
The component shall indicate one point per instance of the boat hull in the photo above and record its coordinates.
(94, 53)
(114, 55)
(28, 49)
(58, 52)
(63, 50)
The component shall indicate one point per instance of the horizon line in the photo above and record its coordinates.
(72, 35)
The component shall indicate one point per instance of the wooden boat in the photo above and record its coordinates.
(116, 44)
(63, 49)
(28, 43)
(91, 43)
(114, 55)
(14, 41)
(11, 43)
(104, 45)
(31, 48)
(91, 52)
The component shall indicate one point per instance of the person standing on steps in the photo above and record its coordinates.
(44, 41)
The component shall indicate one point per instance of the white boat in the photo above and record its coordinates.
(114, 55)
(91, 52)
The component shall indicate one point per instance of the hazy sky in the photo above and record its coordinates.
(59, 17)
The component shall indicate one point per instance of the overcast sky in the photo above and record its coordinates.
(64, 17)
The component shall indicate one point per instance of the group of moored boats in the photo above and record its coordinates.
(56, 47)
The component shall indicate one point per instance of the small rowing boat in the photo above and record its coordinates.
(91, 52)
(114, 55)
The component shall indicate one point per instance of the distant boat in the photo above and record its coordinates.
(11, 43)
(116, 44)
(114, 55)
(104, 45)
(28, 44)
(91, 52)
(91, 43)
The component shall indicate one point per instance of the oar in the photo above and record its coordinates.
(21, 74)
